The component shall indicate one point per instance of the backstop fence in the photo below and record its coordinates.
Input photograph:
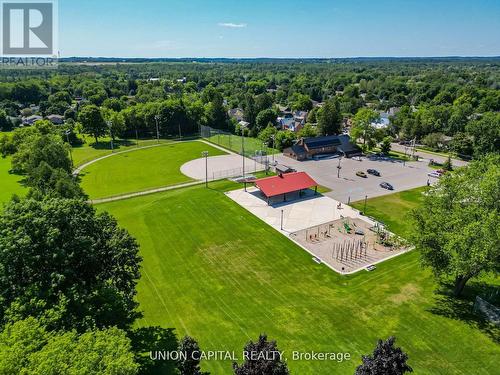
(250, 147)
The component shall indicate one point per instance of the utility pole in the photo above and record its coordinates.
(68, 132)
(205, 155)
(110, 125)
(157, 118)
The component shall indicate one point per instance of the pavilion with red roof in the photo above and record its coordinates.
(284, 184)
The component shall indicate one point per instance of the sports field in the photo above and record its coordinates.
(89, 150)
(9, 183)
(142, 169)
(234, 143)
(218, 273)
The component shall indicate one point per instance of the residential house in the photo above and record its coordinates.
(56, 119)
(237, 113)
(30, 120)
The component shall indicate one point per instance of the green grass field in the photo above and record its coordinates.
(214, 271)
(233, 142)
(9, 183)
(89, 151)
(393, 209)
(142, 169)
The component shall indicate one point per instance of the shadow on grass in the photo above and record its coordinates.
(116, 144)
(462, 308)
(151, 339)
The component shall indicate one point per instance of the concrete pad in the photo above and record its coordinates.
(313, 211)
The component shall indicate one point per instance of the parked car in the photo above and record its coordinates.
(373, 172)
(361, 174)
(434, 174)
(386, 185)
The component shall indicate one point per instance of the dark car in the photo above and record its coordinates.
(373, 172)
(386, 185)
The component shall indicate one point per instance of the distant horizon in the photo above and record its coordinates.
(284, 58)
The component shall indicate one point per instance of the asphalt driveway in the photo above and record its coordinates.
(402, 176)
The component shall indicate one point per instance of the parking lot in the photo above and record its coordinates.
(402, 176)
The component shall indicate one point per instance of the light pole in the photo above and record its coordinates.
(274, 139)
(205, 155)
(243, 150)
(281, 219)
(157, 118)
(136, 137)
(110, 126)
(68, 132)
(339, 167)
(266, 148)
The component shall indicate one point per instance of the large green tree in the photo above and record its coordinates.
(28, 347)
(485, 133)
(330, 118)
(61, 252)
(456, 228)
(92, 121)
(362, 127)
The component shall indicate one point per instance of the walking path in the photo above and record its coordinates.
(146, 192)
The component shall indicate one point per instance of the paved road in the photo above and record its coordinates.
(403, 176)
(427, 156)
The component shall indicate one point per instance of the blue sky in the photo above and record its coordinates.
(270, 28)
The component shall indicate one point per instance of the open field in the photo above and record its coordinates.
(89, 151)
(142, 169)
(233, 142)
(9, 183)
(393, 209)
(214, 271)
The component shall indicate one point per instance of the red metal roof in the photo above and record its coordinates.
(286, 183)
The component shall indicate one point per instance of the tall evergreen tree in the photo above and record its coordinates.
(385, 360)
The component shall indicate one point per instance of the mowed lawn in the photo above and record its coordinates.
(393, 209)
(9, 183)
(214, 271)
(90, 151)
(142, 169)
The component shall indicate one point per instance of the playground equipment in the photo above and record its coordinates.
(349, 250)
(319, 233)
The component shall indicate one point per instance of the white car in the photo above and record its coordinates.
(434, 174)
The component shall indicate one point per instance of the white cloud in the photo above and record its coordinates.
(161, 45)
(232, 25)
